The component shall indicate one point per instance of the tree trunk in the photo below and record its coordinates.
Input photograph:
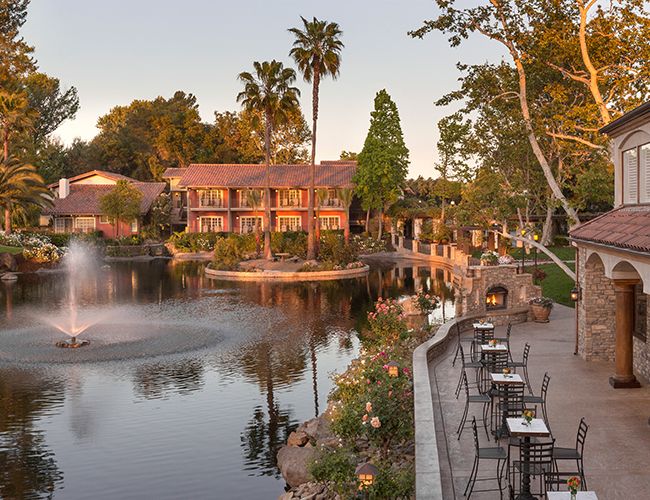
(5, 141)
(267, 191)
(7, 221)
(547, 229)
(368, 222)
(317, 229)
(346, 228)
(311, 236)
(532, 138)
(380, 218)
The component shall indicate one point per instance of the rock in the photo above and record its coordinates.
(286, 496)
(9, 277)
(7, 262)
(317, 428)
(293, 462)
(298, 438)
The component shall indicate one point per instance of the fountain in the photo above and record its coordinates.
(78, 263)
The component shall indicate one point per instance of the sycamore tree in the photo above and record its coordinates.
(384, 159)
(121, 204)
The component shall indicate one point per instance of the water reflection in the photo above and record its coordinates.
(210, 419)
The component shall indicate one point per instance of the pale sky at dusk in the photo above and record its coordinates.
(117, 51)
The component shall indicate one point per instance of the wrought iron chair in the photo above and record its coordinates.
(482, 399)
(506, 340)
(481, 336)
(577, 454)
(493, 453)
(510, 404)
(536, 461)
(540, 400)
(523, 364)
(459, 342)
(464, 365)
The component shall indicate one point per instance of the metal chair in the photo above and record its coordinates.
(510, 404)
(523, 364)
(493, 362)
(483, 399)
(481, 336)
(494, 453)
(459, 341)
(576, 454)
(535, 461)
(506, 340)
(464, 365)
(540, 400)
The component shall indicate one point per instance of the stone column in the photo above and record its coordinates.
(624, 377)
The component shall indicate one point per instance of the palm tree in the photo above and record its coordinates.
(269, 91)
(254, 199)
(346, 195)
(317, 52)
(15, 114)
(322, 196)
(20, 186)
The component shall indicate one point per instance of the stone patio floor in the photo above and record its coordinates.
(617, 449)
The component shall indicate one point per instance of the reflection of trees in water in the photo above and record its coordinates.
(28, 468)
(156, 380)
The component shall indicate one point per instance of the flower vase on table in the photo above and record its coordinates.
(574, 484)
(528, 416)
(507, 373)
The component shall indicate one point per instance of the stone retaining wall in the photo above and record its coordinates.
(287, 276)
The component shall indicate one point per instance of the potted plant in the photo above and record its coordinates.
(489, 258)
(541, 309)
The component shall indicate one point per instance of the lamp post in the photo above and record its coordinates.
(536, 238)
(523, 251)
(575, 294)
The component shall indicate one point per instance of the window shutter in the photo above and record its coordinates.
(644, 171)
(631, 176)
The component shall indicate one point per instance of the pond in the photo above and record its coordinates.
(190, 385)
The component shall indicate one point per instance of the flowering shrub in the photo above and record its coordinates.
(489, 258)
(367, 245)
(387, 325)
(36, 247)
(506, 259)
(424, 302)
(42, 253)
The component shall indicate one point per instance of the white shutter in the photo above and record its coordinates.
(644, 171)
(630, 168)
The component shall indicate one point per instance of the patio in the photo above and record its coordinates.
(618, 440)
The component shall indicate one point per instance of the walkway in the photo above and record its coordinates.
(618, 440)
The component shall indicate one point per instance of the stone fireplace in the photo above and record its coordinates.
(496, 297)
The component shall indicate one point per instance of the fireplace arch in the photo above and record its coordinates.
(496, 297)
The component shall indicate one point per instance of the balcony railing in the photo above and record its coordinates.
(290, 203)
(332, 202)
(206, 202)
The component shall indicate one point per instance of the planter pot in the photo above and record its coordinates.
(540, 313)
(488, 262)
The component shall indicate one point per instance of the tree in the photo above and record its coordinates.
(254, 199)
(348, 156)
(121, 204)
(317, 52)
(269, 92)
(20, 186)
(322, 195)
(15, 116)
(15, 54)
(346, 195)
(161, 214)
(453, 155)
(384, 160)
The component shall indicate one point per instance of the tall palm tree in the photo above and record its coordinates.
(269, 91)
(20, 185)
(317, 52)
(322, 195)
(15, 115)
(254, 200)
(346, 195)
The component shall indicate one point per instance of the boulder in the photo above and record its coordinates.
(7, 262)
(298, 438)
(286, 496)
(293, 462)
(317, 428)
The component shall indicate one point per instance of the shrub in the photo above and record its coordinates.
(292, 242)
(424, 302)
(506, 259)
(333, 249)
(443, 233)
(427, 232)
(230, 251)
(387, 325)
(542, 301)
(125, 241)
(489, 258)
(392, 482)
(195, 242)
(336, 467)
(42, 253)
(364, 244)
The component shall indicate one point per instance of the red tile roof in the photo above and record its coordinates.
(173, 173)
(625, 227)
(102, 173)
(254, 175)
(84, 198)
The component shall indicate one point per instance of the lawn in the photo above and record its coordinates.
(12, 250)
(557, 284)
(564, 253)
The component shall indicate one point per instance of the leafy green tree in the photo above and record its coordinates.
(317, 52)
(348, 155)
(384, 160)
(15, 53)
(20, 186)
(269, 92)
(15, 116)
(161, 215)
(121, 204)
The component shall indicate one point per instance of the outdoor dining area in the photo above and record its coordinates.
(505, 415)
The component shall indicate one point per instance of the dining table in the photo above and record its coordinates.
(535, 429)
(503, 382)
(565, 495)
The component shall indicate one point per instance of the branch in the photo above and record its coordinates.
(574, 138)
(568, 74)
(510, 92)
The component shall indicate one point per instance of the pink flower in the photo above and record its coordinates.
(375, 422)
(369, 407)
(364, 418)
(390, 393)
(385, 367)
(378, 382)
(406, 370)
(367, 381)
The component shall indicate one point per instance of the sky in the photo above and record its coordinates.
(116, 51)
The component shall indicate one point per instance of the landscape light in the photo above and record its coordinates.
(393, 369)
(366, 474)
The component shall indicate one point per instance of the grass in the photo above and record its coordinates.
(564, 253)
(11, 250)
(557, 285)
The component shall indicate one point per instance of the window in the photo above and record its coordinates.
(329, 222)
(636, 175)
(104, 219)
(63, 225)
(332, 199)
(244, 201)
(134, 226)
(247, 224)
(211, 224)
(289, 198)
(84, 224)
(211, 198)
(289, 223)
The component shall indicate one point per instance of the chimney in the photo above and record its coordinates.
(64, 188)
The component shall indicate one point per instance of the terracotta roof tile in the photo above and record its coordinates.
(331, 174)
(625, 227)
(173, 172)
(102, 173)
(84, 198)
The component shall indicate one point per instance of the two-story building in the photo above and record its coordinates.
(77, 200)
(613, 259)
(216, 197)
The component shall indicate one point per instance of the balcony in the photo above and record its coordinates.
(331, 203)
(289, 203)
